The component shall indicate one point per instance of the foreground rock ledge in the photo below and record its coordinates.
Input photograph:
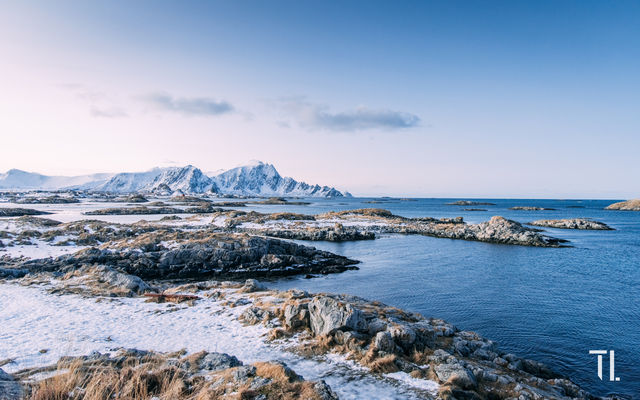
(382, 339)
(141, 375)
(386, 339)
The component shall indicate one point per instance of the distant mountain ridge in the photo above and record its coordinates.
(256, 179)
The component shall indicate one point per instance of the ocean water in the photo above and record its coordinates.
(551, 305)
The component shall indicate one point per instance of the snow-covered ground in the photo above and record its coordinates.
(33, 320)
(39, 249)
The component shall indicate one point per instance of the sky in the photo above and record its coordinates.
(425, 99)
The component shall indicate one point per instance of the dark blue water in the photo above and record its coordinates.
(552, 305)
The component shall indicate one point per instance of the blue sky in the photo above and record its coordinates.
(449, 98)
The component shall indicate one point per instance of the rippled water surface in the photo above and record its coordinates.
(552, 305)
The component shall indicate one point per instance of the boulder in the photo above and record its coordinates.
(124, 282)
(324, 391)
(296, 316)
(455, 374)
(327, 315)
(403, 335)
(252, 285)
(254, 315)
(218, 361)
(10, 389)
(383, 341)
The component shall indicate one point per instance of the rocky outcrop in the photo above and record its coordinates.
(470, 203)
(19, 212)
(137, 375)
(206, 255)
(55, 199)
(327, 315)
(281, 201)
(366, 223)
(10, 388)
(385, 339)
(205, 208)
(336, 233)
(573, 223)
(530, 208)
(100, 281)
(134, 198)
(629, 205)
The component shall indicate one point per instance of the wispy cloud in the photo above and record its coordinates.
(111, 112)
(101, 105)
(202, 106)
(316, 116)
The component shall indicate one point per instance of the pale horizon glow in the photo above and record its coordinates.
(455, 99)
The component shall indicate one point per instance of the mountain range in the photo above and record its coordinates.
(255, 179)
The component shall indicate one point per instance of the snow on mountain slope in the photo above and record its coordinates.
(255, 179)
(18, 179)
(260, 179)
(186, 179)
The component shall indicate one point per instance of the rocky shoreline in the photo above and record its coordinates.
(573, 223)
(383, 340)
(342, 226)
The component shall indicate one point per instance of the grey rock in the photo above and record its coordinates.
(383, 341)
(403, 335)
(324, 391)
(296, 316)
(377, 325)
(127, 282)
(254, 315)
(217, 255)
(455, 374)
(10, 389)
(252, 285)
(327, 315)
(440, 356)
(573, 223)
(218, 361)
(244, 372)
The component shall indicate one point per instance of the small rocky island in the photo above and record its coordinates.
(470, 203)
(18, 212)
(530, 208)
(629, 205)
(573, 223)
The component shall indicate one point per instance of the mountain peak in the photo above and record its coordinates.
(256, 178)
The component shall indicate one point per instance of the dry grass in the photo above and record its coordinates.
(137, 379)
(152, 376)
(381, 365)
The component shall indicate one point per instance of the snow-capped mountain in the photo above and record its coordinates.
(187, 179)
(260, 179)
(256, 179)
(18, 179)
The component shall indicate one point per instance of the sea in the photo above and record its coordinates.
(553, 305)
